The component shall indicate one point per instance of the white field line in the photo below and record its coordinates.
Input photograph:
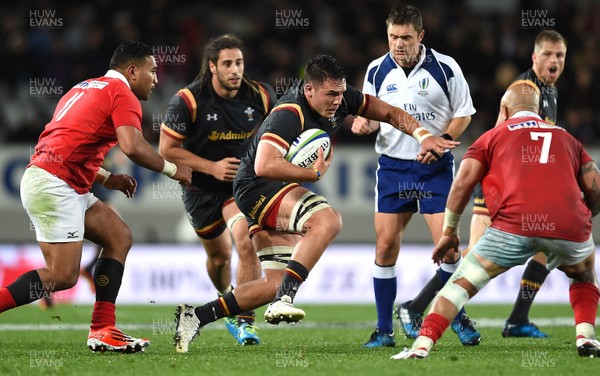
(163, 326)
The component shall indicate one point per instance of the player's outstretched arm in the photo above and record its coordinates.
(432, 147)
(136, 148)
(589, 182)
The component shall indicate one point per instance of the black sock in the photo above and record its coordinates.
(246, 317)
(107, 279)
(28, 288)
(426, 295)
(226, 305)
(534, 276)
(295, 274)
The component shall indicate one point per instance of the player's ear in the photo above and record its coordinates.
(213, 67)
(131, 72)
(308, 90)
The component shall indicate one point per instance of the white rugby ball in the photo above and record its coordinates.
(304, 149)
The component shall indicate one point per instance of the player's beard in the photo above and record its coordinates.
(225, 84)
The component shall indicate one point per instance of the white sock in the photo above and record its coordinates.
(422, 342)
(585, 329)
(451, 268)
(384, 272)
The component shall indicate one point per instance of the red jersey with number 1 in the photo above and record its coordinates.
(83, 129)
(530, 186)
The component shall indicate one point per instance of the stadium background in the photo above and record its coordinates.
(48, 46)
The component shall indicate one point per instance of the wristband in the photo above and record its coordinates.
(451, 219)
(169, 169)
(318, 174)
(447, 137)
(105, 174)
(420, 134)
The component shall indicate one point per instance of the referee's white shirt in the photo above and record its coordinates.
(434, 93)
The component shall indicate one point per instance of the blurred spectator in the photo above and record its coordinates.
(50, 45)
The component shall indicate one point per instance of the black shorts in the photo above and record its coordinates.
(204, 210)
(257, 197)
(479, 206)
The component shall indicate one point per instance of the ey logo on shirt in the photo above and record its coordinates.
(423, 85)
(250, 112)
(391, 88)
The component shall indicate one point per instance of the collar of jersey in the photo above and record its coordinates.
(114, 74)
(525, 114)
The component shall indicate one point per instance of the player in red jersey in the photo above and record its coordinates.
(536, 204)
(55, 190)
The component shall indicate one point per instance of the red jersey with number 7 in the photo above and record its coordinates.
(531, 181)
(83, 129)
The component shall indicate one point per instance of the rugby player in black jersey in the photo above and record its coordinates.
(291, 226)
(208, 125)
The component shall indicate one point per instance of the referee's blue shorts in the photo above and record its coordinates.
(410, 186)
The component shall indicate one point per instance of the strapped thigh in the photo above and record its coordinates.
(275, 257)
(304, 208)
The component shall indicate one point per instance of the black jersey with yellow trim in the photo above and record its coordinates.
(213, 127)
(292, 115)
(548, 96)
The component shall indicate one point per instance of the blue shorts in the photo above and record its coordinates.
(508, 250)
(407, 186)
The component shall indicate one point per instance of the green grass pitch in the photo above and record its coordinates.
(328, 342)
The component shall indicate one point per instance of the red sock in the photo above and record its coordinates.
(584, 300)
(6, 300)
(103, 315)
(434, 326)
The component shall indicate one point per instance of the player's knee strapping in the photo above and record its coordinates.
(471, 270)
(306, 206)
(231, 222)
(275, 258)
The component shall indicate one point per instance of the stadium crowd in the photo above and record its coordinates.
(49, 46)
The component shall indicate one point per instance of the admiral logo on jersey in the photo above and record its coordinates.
(220, 136)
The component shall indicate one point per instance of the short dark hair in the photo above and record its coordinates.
(551, 35)
(405, 15)
(323, 67)
(129, 52)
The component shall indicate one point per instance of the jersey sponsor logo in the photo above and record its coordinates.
(92, 85)
(423, 85)
(72, 234)
(523, 125)
(257, 206)
(211, 117)
(391, 88)
(227, 136)
(250, 112)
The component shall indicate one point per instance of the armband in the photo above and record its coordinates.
(420, 134)
(105, 174)
(169, 169)
(447, 137)
(318, 174)
(451, 219)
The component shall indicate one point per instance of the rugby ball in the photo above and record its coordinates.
(304, 150)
